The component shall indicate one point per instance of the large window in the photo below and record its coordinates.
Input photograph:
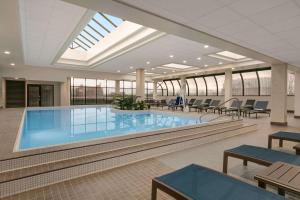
(192, 91)
(220, 81)
(265, 82)
(250, 83)
(91, 91)
(237, 84)
(128, 87)
(176, 86)
(162, 89)
(170, 88)
(291, 84)
(148, 90)
(201, 86)
(211, 85)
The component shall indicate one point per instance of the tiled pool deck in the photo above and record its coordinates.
(133, 182)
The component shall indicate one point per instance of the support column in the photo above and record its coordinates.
(65, 96)
(118, 87)
(279, 94)
(297, 95)
(228, 86)
(154, 89)
(140, 83)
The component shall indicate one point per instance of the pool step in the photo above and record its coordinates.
(20, 180)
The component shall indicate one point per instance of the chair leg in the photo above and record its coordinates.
(269, 142)
(225, 163)
(245, 162)
(280, 143)
(154, 191)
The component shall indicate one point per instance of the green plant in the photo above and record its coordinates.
(128, 102)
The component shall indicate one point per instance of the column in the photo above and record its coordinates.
(228, 86)
(65, 96)
(154, 89)
(279, 94)
(117, 86)
(140, 83)
(297, 95)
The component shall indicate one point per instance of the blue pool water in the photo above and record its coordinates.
(43, 128)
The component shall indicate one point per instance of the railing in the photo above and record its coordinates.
(220, 106)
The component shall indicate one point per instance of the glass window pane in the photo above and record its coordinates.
(291, 84)
(90, 82)
(265, 82)
(176, 87)
(250, 83)
(117, 21)
(111, 83)
(237, 86)
(101, 83)
(201, 86)
(192, 87)
(79, 81)
(104, 22)
(211, 85)
(159, 89)
(170, 88)
(221, 82)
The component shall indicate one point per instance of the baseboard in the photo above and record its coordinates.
(279, 123)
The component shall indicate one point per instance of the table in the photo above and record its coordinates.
(285, 177)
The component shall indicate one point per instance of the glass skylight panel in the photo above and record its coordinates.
(177, 66)
(97, 28)
(232, 55)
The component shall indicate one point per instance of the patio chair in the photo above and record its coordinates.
(249, 105)
(260, 107)
(195, 182)
(196, 104)
(281, 136)
(178, 102)
(213, 105)
(190, 103)
(259, 155)
(235, 105)
(204, 105)
(162, 103)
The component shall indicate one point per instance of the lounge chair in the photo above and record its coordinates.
(191, 102)
(204, 105)
(259, 155)
(260, 107)
(235, 105)
(281, 136)
(162, 103)
(178, 102)
(195, 182)
(249, 105)
(214, 104)
(196, 104)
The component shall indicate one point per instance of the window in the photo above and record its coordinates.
(201, 86)
(211, 85)
(291, 84)
(237, 85)
(128, 87)
(169, 88)
(265, 82)
(192, 87)
(149, 90)
(162, 89)
(220, 82)
(250, 83)
(176, 86)
(91, 91)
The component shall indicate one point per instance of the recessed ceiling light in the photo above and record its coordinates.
(206, 46)
(171, 56)
(165, 72)
(7, 52)
(184, 61)
(233, 68)
(196, 73)
(16, 78)
(152, 68)
(205, 65)
(199, 58)
(12, 64)
(148, 62)
(220, 63)
(118, 71)
(131, 67)
(173, 71)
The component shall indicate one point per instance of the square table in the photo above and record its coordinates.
(285, 177)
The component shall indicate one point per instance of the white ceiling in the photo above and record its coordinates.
(271, 27)
(46, 25)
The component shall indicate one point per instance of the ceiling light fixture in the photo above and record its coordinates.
(171, 56)
(118, 71)
(220, 63)
(12, 64)
(206, 46)
(148, 62)
(173, 71)
(131, 67)
(231, 55)
(152, 68)
(165, 72)
(6, 52)
(184, 61)
(199, 58)
(205, 65)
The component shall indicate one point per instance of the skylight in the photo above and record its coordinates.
(97, 28)
(232, 55)
(177, 66)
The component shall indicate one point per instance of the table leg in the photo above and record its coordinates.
(262, 184)
(280, 143)
(225, 163)
(245, 162)
(269, 142)
(154, 191)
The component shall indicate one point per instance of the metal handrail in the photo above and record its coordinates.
(219, 106)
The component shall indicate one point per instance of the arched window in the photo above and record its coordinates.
(211, 85)
(201, 86)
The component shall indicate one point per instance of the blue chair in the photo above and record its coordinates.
(200, 183)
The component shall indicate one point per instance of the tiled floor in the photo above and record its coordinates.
(134, 181)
